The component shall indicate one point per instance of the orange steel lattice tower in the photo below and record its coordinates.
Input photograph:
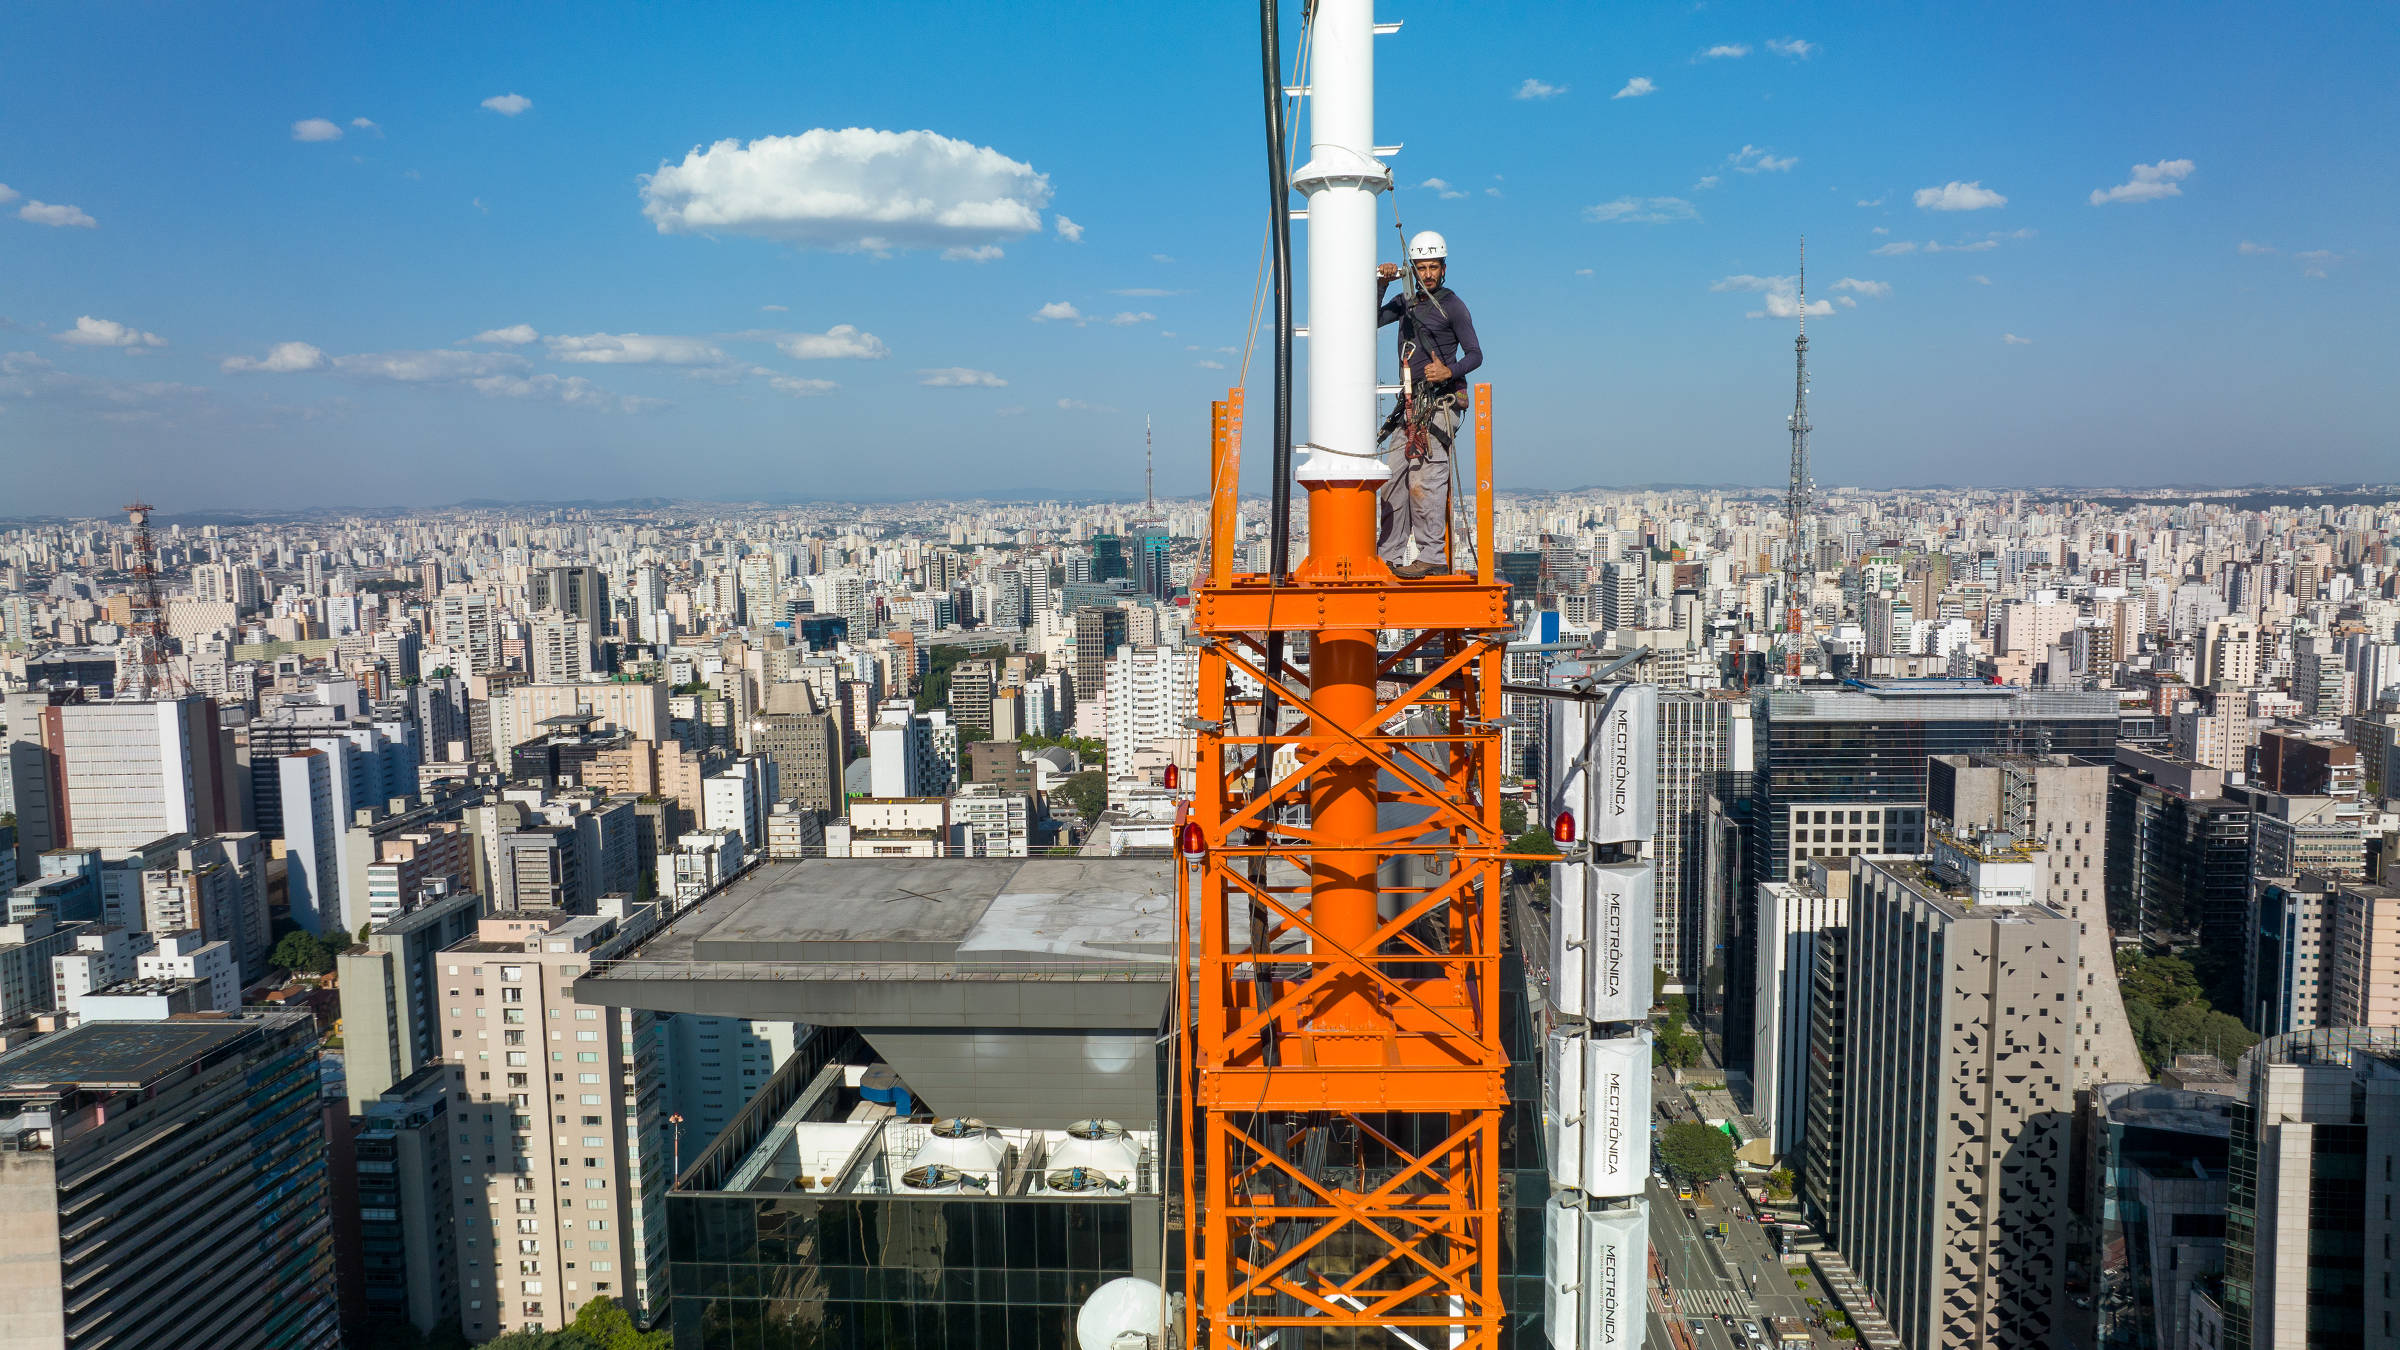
(1342, 1070)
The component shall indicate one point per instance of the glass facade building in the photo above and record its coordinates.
(2178, 855)
(758, 1263)
(1840, 771)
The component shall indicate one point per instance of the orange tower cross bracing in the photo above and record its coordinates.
(1343, 1070)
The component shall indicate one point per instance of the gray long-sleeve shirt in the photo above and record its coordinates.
(1438, 325)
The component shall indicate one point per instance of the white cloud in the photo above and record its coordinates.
(959, 377)
(2150, 182)
(1755, 159)
(1583, 271)
(635, 349)
(1059, 311)
(1707, 181)
(515, 335)
(508, 105)
(1876, 202)
(7, 193)
(365, 124)
(1533, 88)
(1441, 187)
(840, 342)
(2014, 341)
(981, 253)
(1128, 318)
(1972, 246)
(1980, 279)
(1641, 211)
(1210, 365)
(91, 332)
(1067, 229)
(1845, 302)
(1880, 290)
(433, 367)
(1958, 196)
(1638, 87)
(2316, 262)
(1078, 405)
(1879, 230)
(315, 129)
(2250, 250)
(1782, 295)
(798, 387)
(572, 390)
(853, 190)
(1894, 249)
(1161, 258)
(46, 213)
(1795, 48)
(284, 358)
(1491, 192)
(1732, 51)
(776, 309)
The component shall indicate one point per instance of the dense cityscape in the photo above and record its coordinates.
(298, 811)
(746, 677)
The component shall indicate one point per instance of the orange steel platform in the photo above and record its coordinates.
(1341, 1069)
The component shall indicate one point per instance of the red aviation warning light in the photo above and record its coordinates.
(1563, 828)
(1172, 778)
(1193, 843)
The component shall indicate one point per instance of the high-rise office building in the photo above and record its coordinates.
(1704, 748)
(1099, 631)
(391, 994)
(1827, 1081)
(1958, 1097)
(2283, 959)
(2155, 1184)
(576, 592)
(1841, 772)
(1791, 916)
(803, 740)
(2062, 804)
(2179, 851)
(96, 775)
(407, 1220)
(166, 1185)
(2308, 1194)
(561, 1147)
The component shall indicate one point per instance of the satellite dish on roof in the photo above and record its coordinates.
(1123, 1314)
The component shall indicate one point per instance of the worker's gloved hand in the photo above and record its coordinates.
(1388, 271)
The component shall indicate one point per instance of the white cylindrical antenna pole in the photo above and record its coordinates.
(1341, 180)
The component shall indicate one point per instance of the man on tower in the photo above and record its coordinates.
(1437, 352)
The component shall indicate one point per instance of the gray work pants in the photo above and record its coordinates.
(1416, 499)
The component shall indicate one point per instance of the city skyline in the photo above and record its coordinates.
(384, 258)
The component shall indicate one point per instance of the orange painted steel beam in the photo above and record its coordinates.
(1344, 1082)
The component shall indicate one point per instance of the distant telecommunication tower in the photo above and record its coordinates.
(149, 619)
(1149, 474)
(1795, 499)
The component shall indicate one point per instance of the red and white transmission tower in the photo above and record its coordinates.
(149, 627)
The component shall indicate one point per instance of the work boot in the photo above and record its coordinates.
(1414, 571)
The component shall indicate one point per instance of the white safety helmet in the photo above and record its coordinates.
(1426, 245)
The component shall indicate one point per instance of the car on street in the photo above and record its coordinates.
(1699, 1328)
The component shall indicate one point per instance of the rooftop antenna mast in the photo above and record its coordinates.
(1149, 472)
(149, 627)
(1795, 499)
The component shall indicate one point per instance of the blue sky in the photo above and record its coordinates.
(208, 294)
